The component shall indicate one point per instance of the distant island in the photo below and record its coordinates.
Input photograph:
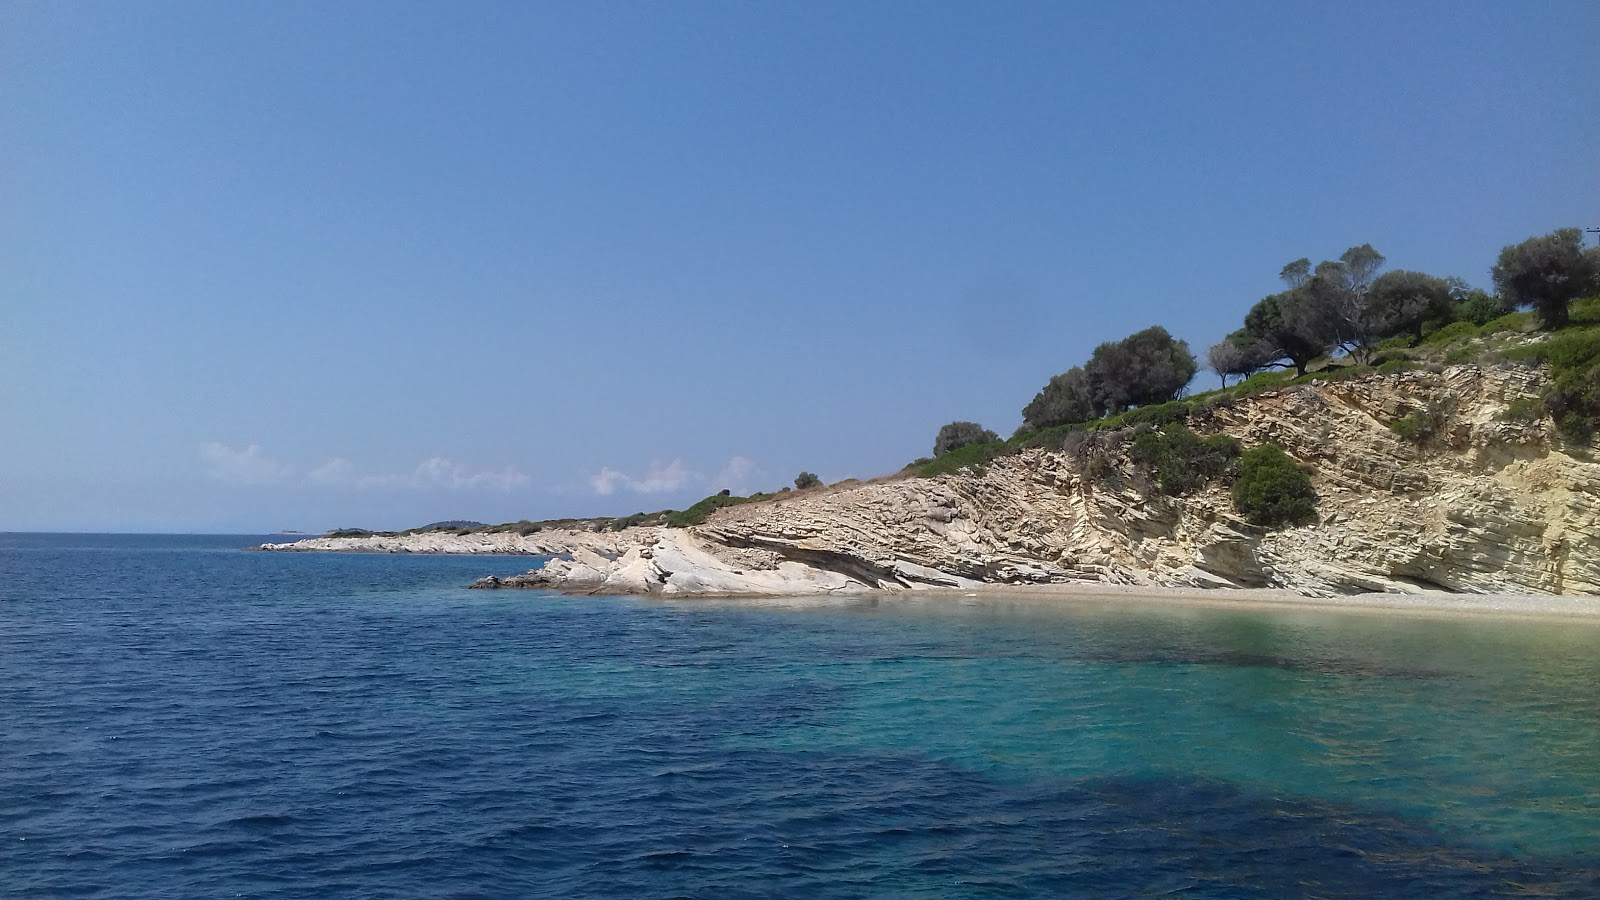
(1385, 431)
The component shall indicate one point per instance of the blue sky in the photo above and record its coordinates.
(305, 265)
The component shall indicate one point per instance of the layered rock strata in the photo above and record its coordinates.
(1482, 504)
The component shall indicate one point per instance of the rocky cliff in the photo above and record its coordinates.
(1478, 503)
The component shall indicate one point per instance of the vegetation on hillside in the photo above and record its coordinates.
(1339, 319)
(1271, 490)
(956, 435)
(1547, 273)
(1146, 367)
(1181, 461)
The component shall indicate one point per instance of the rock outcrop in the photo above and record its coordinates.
(539, 543)
(1477, 504)
(1481, 505)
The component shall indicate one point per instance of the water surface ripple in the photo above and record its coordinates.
(181, 719)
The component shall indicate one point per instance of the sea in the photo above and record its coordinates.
(182, 718)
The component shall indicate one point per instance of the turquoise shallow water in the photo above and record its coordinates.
(183, 719)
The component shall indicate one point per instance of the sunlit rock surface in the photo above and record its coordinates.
(1486, 506)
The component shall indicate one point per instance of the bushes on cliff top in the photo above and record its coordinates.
(697, 513)
(1144, 368)
(1271, 490)
(956, 435)
(972, 455)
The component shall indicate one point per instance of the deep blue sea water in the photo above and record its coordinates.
(182, 719)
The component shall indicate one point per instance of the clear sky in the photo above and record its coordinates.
(305, 265)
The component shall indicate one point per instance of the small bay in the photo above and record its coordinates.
(181, 718)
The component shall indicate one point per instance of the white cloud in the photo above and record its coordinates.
(658, 479)
(251, 465)
(335, 471)
(738, 475)
(606, 482)
(439, 472)
(243, 466)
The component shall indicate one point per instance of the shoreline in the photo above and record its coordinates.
(1432, 604)
(663, 565)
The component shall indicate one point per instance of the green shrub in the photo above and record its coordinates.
(1565, 352)
(1047, 438)
(1573, 398)
(1582, 313)
(1384, 357)
(1477, 307)
(1260, 382)
(1155, 416)
(806, 480)
(1523, 409)
(1395, 366)
(638, 518)
(349, 532)
(1271, 490)
(1422, 425)
(1182, 461)
(1517, 321)
(975, 456)
(1455, 331)
(697, 513)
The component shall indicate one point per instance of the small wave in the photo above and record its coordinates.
(265, 820)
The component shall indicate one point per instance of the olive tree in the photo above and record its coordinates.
(956, 435)
(1547, 273)
(1294, 325)
(1149, 366)
(1402, 302)
(1065, 400)
(1238, 354)
(1341, 294)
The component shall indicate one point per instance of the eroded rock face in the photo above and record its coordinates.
(1484, 505)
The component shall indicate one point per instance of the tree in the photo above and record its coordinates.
(1238, 354)
(1475, 305)
(1360, 266)
(956, 435)
(1296, 274)
(1294, 325)
(1148, 366)
(806, 480)
(1402, 302)
(1066, 400)
(1340, 294)
(1547, 273)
